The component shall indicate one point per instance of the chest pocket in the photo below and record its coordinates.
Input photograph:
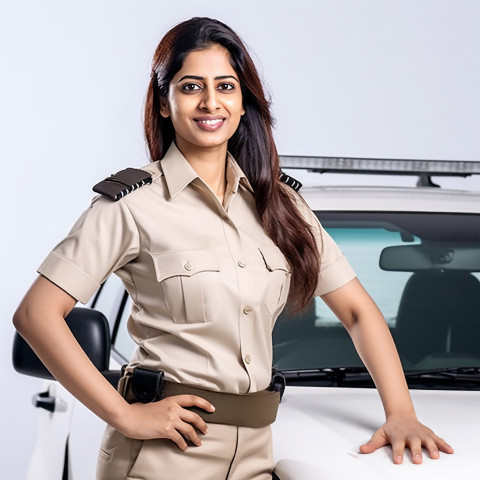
(278, 280)
(190, 281)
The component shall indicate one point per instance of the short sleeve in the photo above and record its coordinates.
(103, 239)
(335, 270)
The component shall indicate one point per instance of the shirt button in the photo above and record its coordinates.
(188, 266)
(242, 263)
(248, 359)
(247, 310)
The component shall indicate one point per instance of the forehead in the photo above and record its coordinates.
(211, 62)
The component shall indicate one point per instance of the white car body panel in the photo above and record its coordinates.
(53, 430)
(393, 199)
(319, 430)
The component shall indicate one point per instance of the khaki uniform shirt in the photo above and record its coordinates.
(207, 283)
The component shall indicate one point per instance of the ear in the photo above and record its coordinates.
(164, 109)
(243, 111)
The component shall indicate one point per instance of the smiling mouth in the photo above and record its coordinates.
(215, 121)
(210, 124)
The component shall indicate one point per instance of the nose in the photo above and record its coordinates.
(209, 102)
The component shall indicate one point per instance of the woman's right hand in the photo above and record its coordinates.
(167, 418)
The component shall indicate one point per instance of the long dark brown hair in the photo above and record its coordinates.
(252, 144)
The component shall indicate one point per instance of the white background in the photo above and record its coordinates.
(347, 78)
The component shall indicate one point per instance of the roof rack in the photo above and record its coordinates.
(424, 169)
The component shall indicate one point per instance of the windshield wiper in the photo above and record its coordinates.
(330, 376)
(455, 377)
(458, 378)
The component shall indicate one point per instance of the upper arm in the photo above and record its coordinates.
(43, 298)
(349, 302)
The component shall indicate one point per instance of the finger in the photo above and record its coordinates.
(398, 449)
(415, 446)
(187, 430)
(194, 401)
(443, 446)
(432, 448)
(194, 419)
(378, 440)
(178, 439)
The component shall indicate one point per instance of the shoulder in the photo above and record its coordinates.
(291, 190)
(128, 180)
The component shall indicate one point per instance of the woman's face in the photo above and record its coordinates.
(204, 101)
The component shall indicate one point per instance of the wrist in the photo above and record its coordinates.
(401, 413)
(119, 415)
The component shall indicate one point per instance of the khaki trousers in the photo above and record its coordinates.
(227, 453)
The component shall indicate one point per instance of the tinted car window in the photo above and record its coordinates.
(421, 269)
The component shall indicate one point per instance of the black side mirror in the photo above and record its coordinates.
(92, 332)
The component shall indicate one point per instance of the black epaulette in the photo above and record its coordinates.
(122, 183)
(290, 181)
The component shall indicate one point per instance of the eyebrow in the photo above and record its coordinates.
(197, 77)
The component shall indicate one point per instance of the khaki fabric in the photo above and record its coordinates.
(207, 283)
(226, 453)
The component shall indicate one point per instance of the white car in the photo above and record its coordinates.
(417, 252)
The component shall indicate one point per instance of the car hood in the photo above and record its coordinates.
(318, 431)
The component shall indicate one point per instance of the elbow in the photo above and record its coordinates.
(24, 319)
(20, 320)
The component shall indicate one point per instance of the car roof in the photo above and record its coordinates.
(398, 199)
(425, 197)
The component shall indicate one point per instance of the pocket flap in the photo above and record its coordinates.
(274, 259)
(184, 264)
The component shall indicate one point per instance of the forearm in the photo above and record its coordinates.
(376, 348)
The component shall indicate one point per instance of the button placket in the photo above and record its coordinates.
(246, 310)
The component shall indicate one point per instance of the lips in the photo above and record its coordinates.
(209, 124)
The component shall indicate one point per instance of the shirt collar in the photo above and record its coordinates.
(235, 175)
(179, 173)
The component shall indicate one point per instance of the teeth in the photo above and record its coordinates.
(211, 122)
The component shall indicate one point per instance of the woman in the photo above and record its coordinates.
(209, 253)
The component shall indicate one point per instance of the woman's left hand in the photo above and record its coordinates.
(402, 431)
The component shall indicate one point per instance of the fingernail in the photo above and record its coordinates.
(417, 457)
(398, 459)
(435, 454)
(212, 408)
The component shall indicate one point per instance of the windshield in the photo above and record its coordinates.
(423, 272)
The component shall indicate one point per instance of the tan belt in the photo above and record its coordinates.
(254, 410)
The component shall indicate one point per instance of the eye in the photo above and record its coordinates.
(190, 87)
(226, 87)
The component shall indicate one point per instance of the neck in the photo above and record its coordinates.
(210, 165)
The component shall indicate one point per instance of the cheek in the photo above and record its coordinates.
(235, 106)
(175, 106)
(176, 115)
